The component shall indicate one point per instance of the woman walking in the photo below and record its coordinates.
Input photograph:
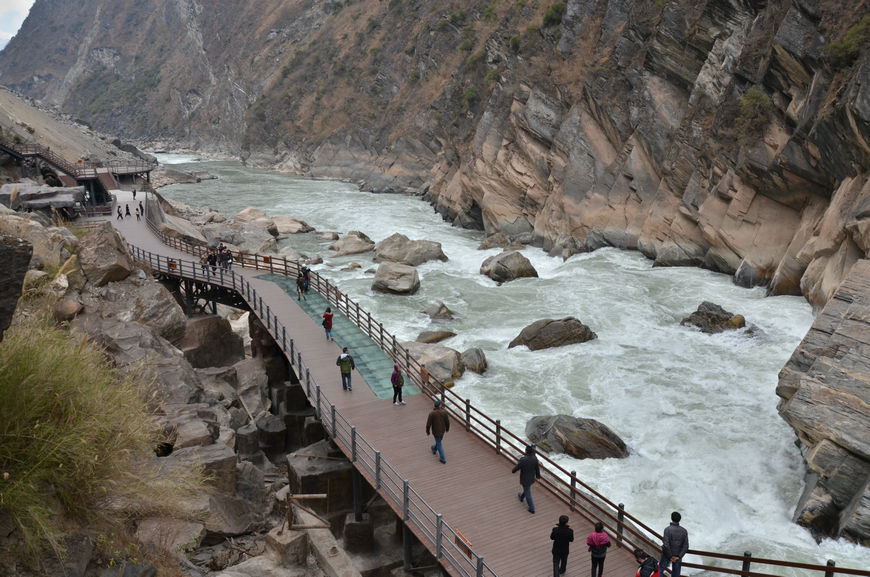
(598, 542)
(327, 323)
(398, 382)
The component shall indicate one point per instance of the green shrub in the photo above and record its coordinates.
(553, 15)
(514, 42)
(489, 14)
(476, 57)
(466, 46)
(469, 96)
(457, 18)
(74, 434)
(845, 50)
(492, 75)
(755, 107)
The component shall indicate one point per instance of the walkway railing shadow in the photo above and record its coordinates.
(579, 497)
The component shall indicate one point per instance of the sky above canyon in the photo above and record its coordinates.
(12, 14)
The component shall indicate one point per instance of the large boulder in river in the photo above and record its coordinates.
(103, 255)
(474, 360)
(711, 318)
(247, 237)
(580, 438)
(443, 363)
(507, 266)
(547, 333)
(290, 225)
(399, 248)
(395, 278)
(434, 336)
(354, 242)
(438, 311)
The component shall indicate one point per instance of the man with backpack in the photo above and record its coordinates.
(345, 364)
(648, 566)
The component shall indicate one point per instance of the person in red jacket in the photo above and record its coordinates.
(327, 323)
(598, 541)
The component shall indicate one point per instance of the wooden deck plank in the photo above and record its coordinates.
(474, 491)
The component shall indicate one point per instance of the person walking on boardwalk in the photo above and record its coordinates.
(134, 194)
(561, 535)
(327, 323)
(120, 214)
(137, 214)
(598, 542)
(675, 544)
(306, 276)
(203, 262)
(438, 423)
(398, 381)
(300, 287)
(127, 210)
(141, 208)
(345, 365)
(212, 261)
(648, 566)
(529, 471)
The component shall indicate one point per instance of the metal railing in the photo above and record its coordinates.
(579, 497)
(79, 169)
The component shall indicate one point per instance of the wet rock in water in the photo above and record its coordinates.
(507, 266)
(548, 333)
(474, 360)
(354, 242)
(710, 318)
(395, 278)
(438, 311)
(434, 336)
(580, 438)
(399, 248)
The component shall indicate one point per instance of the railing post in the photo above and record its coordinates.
(573, 488)
(439, 534)
(479, 565)
(830, 565)
(317, 407)
(307, 382)
(467, 414)
(394, 347)
(353, 444)
(747, 561)
(269, 316)
(261, 304)
(620, 521)
(406, 500)
(299, 359)
(377, 470)
(332, 418)
(498, 436)
(292, 350)
(284, 338)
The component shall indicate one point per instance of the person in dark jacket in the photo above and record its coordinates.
(438, 423)
(345, 365)
(398, 381)
(561, 535)
(648, 566)
(529, 471)
(598, 541)
(675, 544)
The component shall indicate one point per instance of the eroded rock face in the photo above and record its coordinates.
(507, 266)
(580, 438)
(51, 245)
(104, 257)
(399, 248)
(824, 397)
(15, 253)
(394, 278)
(547, 333)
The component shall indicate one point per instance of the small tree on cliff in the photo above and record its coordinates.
(754, 112)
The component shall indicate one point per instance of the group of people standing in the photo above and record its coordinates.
(303, 283)
(216, 257)
(140, 211)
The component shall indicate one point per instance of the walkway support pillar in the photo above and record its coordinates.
(357, 495)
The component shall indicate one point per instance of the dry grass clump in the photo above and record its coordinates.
(76, 441)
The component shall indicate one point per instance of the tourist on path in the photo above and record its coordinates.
(424, 376)
(212, 261)
(529, 471)
(300, 287)
(327, 323)
(561, 535)
(134, 194)
(127, 210)
(306, 276)
(345, 365)
(141, 209)
(675, 544)
(120, 214)
(598, 542)
(137, 213)
(398, 381)
(438, 423)
(648, 566)
(203, 262)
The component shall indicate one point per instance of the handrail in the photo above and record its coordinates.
(415, 511)
(565, 485)
(81, 169)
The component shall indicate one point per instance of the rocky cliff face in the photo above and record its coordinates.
(730, 134)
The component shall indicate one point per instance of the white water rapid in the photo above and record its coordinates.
(697, 411)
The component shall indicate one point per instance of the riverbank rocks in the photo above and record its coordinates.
(290, 225)
(209, 341)
(103, 255)
(395, 278)
(438, 311)
(507, 266)
(580, 438)
(710, 318)
(548, 333)
(399, 248)
(434, 336)
(442, 362)
(354, 242)
(15, 253)
(825, 398)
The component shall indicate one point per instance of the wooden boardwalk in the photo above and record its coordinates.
(474, 491)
